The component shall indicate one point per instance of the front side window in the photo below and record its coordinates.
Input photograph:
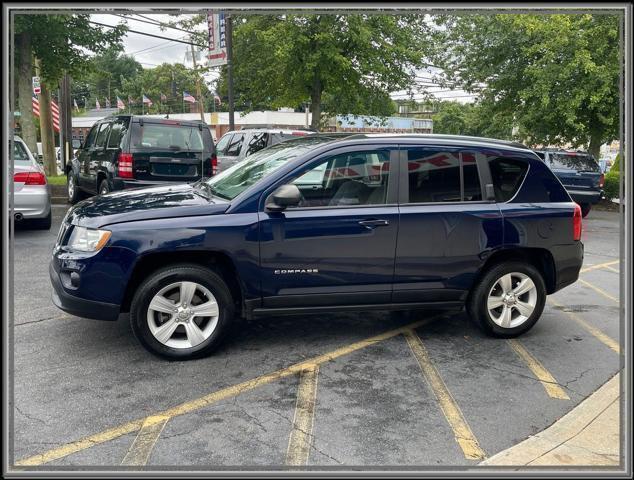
(222, 143)
(442, 176)
(234, 147)
(355, 178)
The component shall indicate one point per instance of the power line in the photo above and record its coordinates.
(167, 25)
(152, 22)
(150, 35)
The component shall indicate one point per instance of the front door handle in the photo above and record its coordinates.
(370, 224)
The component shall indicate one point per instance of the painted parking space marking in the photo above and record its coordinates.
(612, 269)
(228, 392)
(598, 334)
(599, 266)
(301, 437)
(142, 446)
(598, 290)
(553, 389)
(462, 432)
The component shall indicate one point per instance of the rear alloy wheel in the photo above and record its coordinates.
(585, 209)
(181, 312)
(104, 187)
(508, 300)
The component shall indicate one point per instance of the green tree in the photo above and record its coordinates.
(556, 75)
(345, 64)
(478, 119)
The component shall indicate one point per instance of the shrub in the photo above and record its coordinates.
(611, 186)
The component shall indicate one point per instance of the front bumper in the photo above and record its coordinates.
(79, 306)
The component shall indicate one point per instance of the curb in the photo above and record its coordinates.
(587, 435)
(59, 201)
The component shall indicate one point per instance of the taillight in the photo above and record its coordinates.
(124, 169)
(30, 178)
(214, 164)
(601, 180)
(576, 223)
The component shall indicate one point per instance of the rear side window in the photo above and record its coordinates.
(257, 142)
(507, 175)
(572, 161)
(117, 134)
(102, 135)
(442, 176)
(91, 137)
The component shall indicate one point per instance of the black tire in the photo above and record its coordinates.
(43, 223)
(104, 187)
(585, 209)
(477, 302)
(74, 194)
(164, 277)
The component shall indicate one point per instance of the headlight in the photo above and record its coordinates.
(88, 239)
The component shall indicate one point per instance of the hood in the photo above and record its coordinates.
(144, 204)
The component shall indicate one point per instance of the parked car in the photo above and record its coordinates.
(40, 158)
(326, 223)
(579, 173)
(235, 145)
(31, 193)
(130, 151)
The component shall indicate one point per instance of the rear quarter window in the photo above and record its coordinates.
(507, 175)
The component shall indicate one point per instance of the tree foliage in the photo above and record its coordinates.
(344, 64)
(478, 119)
(556, 75)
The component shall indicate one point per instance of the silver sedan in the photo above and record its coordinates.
(31, 192)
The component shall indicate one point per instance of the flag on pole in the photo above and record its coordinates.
(75, 104)
(120, 104)
(147, 101)
(217, 99)
(130, 100)
(188, 98)
(97, 105)
(163, 98)
(35, 103)
(107, 103)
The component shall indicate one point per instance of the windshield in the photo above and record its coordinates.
(235, 180)
(568, 161)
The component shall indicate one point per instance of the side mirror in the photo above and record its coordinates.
(76, 144)
(285, 196)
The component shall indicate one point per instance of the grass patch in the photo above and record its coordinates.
(56, 180)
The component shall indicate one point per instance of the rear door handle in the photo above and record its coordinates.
(370, 224)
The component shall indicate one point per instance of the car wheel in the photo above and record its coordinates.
(508, 299)
(74, 195)
(181, 312)
(44, 223)
(585, 209)
(104, 187)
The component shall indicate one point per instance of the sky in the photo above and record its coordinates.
(150, 52)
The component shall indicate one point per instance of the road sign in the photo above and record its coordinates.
(36, 86)
(217, 46)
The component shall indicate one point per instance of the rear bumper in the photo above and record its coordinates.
(586, 196)
(568, 263)
(79, 306)
(121, 184)
(32, 202)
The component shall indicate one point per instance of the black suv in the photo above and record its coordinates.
(128, 151)
(325, 223)
(579, 173)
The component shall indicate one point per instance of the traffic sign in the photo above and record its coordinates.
(36, 86)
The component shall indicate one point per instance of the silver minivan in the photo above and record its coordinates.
(235, 145)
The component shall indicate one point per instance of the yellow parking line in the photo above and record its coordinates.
(599, 290)
(461, 430)
(599, 266)
(300, 439)
(545, 378)
(612, 269)
(598, 334)
(141, 448)
(193, 405)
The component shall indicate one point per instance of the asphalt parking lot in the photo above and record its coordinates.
(348, 390)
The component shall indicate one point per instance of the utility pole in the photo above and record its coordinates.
(66, 120)
(229, 42)
(201, 106)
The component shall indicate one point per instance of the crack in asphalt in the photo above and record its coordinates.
(55, 317)
(30, 417)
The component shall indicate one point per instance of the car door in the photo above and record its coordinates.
(448, 224)
(97, 156)
(336, 247)
(84, 155)
(221, 147)
(231, 154)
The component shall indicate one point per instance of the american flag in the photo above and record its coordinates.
(130, 100)
(147, 101)
(107, 103)
(97, 104)
(163, 98)
(54, 111)
(120, 104)
(75, 104)
(188, 98)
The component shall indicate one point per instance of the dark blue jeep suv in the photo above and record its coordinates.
(325, 223)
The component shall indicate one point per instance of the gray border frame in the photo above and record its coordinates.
(625, 244)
